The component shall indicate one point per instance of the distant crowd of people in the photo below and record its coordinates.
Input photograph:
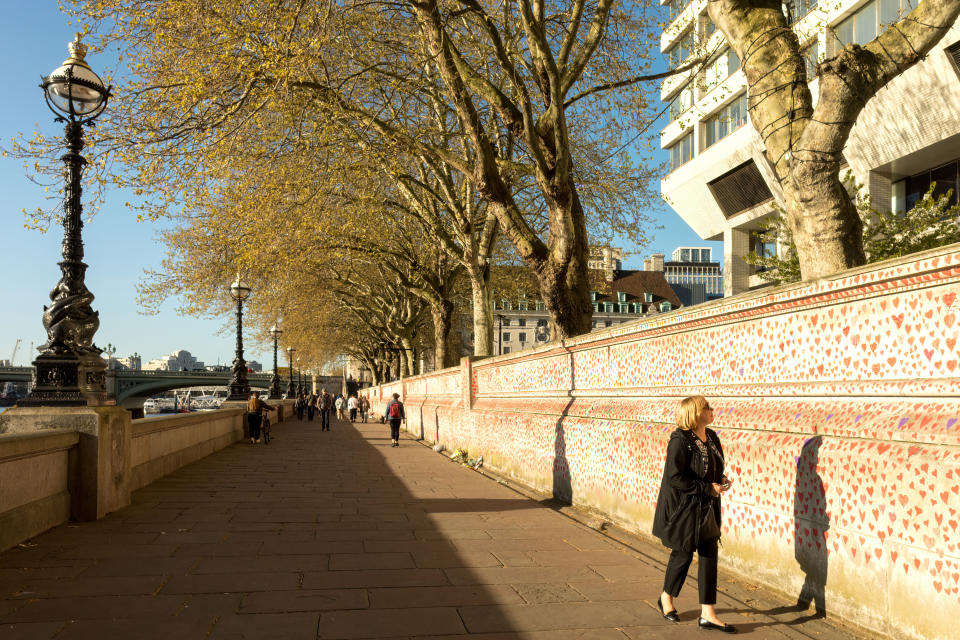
(322, 404)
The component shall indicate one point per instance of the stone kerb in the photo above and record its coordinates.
(837, 405)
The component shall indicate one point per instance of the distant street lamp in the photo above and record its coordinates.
(69, 370)
(299, 377)
(239, 387)
(291, 391)
(275, 388)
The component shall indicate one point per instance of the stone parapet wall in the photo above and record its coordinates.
(83, 462)
(34, 483)
(837, 402)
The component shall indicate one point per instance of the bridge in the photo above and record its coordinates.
(132, 388)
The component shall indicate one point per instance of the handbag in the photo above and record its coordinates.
(709, 527)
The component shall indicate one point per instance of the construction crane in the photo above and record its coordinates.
(13, 358)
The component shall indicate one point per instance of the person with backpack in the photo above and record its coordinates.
(301, 405)
(394, 414)
(339, 404)
(687, 517)
(311, 402)
(324, 406)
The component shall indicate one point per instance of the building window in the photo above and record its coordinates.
(541, 323)
(722, 67)
(647, 297)
(506, 349)
(621, 296)
(682, 49)
(681, 152)
(707, 27)
(811, 57)
(802, 8)
(681, 102)
(677, 7)
(505, 305)
(726, 121)
(665, 306)
(608, 323)
(522, 322)
(915, 187)
(506, 337)
(523, 336)
(864, 25)
(505, 322)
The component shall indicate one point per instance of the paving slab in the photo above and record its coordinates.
(337, 535)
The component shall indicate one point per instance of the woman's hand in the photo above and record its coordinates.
(726, 483)
(716, 489)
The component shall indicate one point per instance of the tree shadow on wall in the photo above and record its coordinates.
(562, 488)
(811, 523)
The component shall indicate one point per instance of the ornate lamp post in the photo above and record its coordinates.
(291, 390)
(239, 387)
(299, 377)
(275, 389)
(69, 370)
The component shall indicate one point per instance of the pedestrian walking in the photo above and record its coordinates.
(339, 404)
(311, 403)
(324, 406)
(301, 405)
(687, 517)
(363, 406)
(255, 410)
(352, 407)
(394, 414)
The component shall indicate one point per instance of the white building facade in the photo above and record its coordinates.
(177, 361)
(721, 184)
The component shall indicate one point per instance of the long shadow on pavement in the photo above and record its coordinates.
(329, 535)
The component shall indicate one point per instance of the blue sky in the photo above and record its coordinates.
(33, 42)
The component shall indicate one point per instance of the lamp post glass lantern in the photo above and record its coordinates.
(239, 386)
(69, 370)
(275, 382)
(291, 390)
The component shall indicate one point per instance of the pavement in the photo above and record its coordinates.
(338, 535)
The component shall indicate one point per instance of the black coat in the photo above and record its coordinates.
(683, 489)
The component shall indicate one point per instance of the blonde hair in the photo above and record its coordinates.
(689, 411)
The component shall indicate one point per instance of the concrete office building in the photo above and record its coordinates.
(691, 273)
(721, 184)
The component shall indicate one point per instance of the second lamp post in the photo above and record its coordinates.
(275, 389)
(291, 390)
(239, 387)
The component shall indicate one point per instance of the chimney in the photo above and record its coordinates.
(656, 262)
(647, 265)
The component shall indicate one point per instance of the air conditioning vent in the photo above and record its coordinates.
(953, 52)
(740, 189)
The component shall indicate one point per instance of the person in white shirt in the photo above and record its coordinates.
(352, 406)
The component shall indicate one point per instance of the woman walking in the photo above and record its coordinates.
(687, 517)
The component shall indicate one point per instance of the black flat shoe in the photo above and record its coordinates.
(669, 615)
(725, 628)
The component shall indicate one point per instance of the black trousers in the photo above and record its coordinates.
(353, 415)
(254, 420)
(324, 419)
(679, 563)
(310, 411)
(394, 429)
(300, 411)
